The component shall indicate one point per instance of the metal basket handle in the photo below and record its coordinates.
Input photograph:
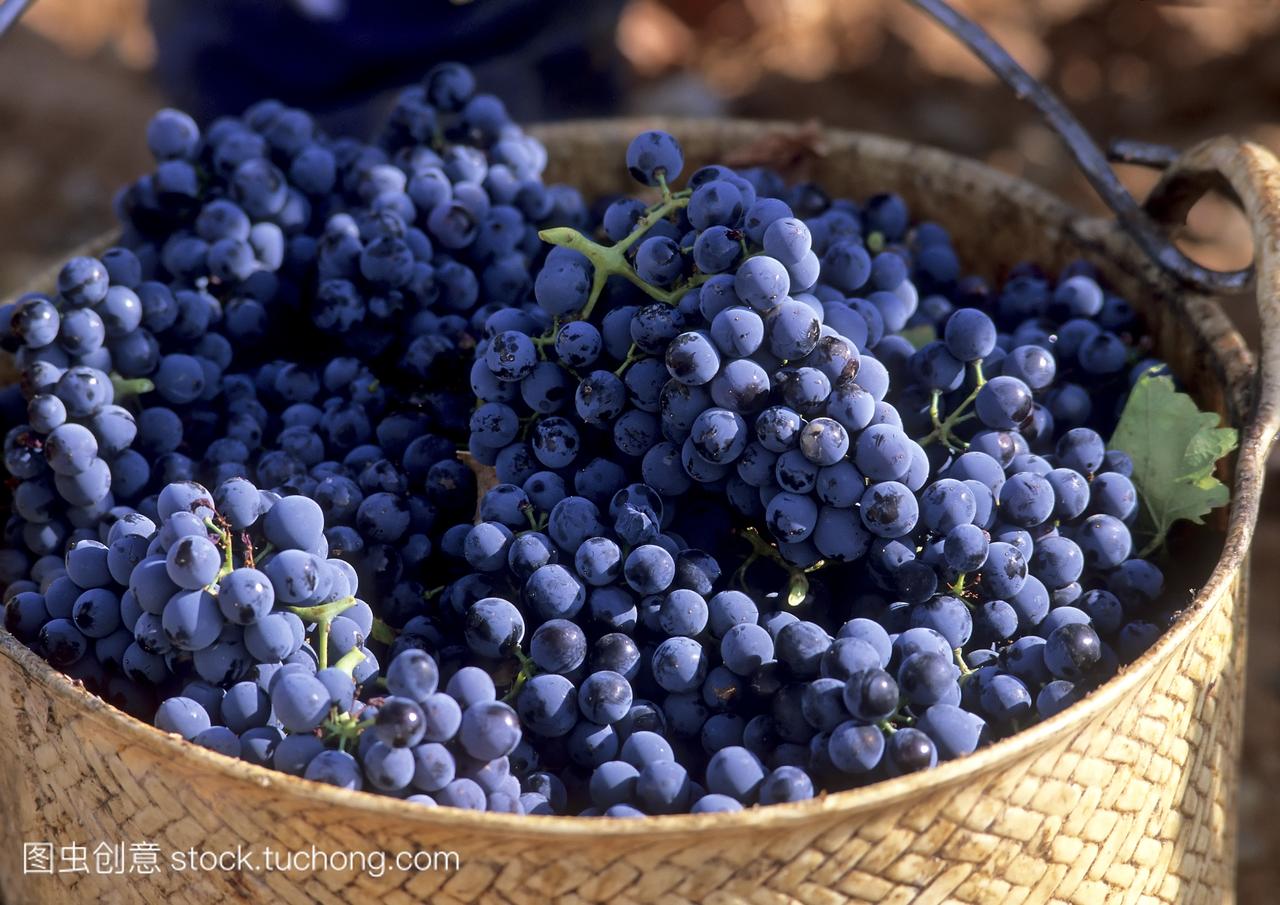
(1251, 174)
(1245, 171)
(1091, 159)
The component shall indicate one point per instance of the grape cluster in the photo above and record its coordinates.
(216, 587)
(437, 229)
(386, 483)
(777, 377)
(779, 501)
(262, 238)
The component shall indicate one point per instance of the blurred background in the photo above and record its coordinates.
(80, 78)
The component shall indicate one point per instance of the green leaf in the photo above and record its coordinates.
(920, 336)
(1174, 447)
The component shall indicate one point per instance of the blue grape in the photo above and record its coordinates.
(654, 155)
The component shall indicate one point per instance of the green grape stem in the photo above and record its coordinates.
(350, 660)
(527, 671)
(797, 578)
(344, 727)
(611, 260)
(224, 541)
(130, 388)
(943, 427)
(627, 362)
(322, 615)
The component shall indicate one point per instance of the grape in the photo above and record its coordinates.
(737, 332)
(1027, 499)
(1057, 561)
(400, 723)
(547, 705)
(683, 612)
(183, 716)
(679, 664)
(658, 261)
(883, 453)
(711, 804)
(793, 329)
(736, 773)
(995, 620)
(715, 203)
(604, 697)
(1136, 582)
(856, 749)
(1071, 651)
(1003, 403)
(889, 509)
(762, 282)
(1081, 449)
(1105, 541)
(578, 344)
(947, 504)
(801, 646)
(953, 731)
(840, 485)
(791, 517)
(558, 646)
(719, 435)
(804, 389)
(654, 156)
(493, 626)
(926, 679)
(96, 613)
(192, 620)
(910, 750)
(613, 783)
(824, 441)
(1113, 494)
(1033, 365)
(741, 386)
(786, 239)
(193, 562)
(555, 442)
(1102, 354)
(336, 768)
(778, 429)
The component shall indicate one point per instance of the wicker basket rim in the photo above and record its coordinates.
(1088, 231)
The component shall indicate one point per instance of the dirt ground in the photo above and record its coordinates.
(75, 97)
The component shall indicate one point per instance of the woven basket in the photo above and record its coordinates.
(1127, 796)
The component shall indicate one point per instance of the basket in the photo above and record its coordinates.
(1127, 796)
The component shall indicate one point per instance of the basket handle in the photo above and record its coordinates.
(1251, 174)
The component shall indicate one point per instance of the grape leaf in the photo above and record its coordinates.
(1174, 447)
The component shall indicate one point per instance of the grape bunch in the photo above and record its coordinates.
(436, 228)
(388, 485)
(742, 372)
(432, 747)
(217, 586)
(726, 380)
(260, 238)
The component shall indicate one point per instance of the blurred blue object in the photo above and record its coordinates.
(12, 10)
(343, 59)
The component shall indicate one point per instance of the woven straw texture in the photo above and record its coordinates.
(1126, 797)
